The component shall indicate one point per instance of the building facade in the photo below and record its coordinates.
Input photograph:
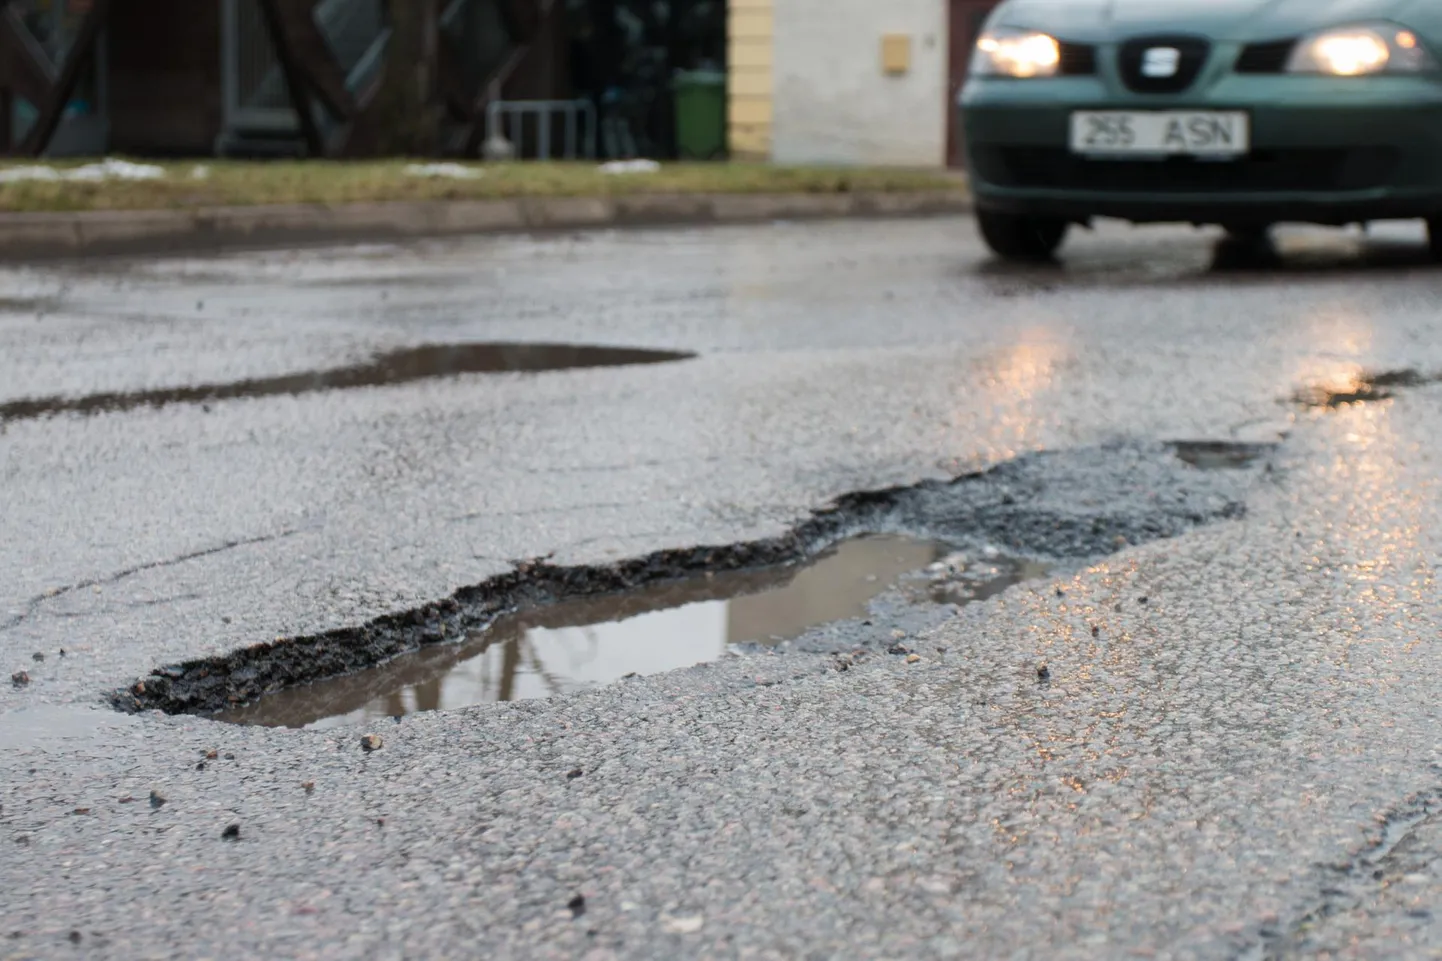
(834, 82)
(264, 77)
(849, 82)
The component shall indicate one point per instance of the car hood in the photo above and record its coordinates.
(1242, 20)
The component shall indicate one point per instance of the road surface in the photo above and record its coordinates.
(1215, 736)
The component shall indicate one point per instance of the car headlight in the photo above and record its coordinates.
(1361, 51)
(1016, 53)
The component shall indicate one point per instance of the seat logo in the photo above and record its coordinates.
(1161, 62)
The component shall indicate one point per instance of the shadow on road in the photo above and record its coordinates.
(1107, 261)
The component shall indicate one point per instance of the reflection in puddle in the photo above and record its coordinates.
(958, 579)
(396, 367)
(586, 643)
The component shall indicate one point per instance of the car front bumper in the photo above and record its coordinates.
(1323, 150)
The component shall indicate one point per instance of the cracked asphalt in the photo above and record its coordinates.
(1232, 752)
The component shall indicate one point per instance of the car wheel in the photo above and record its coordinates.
(1434, 238)
(1012, 237)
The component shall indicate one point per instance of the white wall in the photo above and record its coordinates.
(833, 103)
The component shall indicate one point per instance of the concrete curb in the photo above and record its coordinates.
(89, 233)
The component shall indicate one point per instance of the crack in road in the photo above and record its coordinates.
(1351, 885)
(33, 605)
(542, 511)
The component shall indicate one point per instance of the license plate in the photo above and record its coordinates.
(1161, 133)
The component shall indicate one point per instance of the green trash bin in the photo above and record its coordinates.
(701, 114)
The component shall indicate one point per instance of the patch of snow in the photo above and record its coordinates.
(108, 169)
(452, 170)
(630, 167)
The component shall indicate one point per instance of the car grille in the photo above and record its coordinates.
(1265, 57)
(1357, 168)
(1077, 60)
(1193, 51)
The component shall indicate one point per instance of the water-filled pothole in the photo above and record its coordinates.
(1362, 389)
(1220, 455)
(427, 362)
(1063, 506)
(584, 643)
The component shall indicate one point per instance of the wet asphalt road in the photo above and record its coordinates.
(1245, 765)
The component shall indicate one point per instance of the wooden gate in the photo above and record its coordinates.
(966, 20)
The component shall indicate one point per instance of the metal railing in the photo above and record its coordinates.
(578, 118)
(254, 95)
(256, 101)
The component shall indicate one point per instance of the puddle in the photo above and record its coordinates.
(1399, 378)
(587, 643)
(396, 367)
(1362, 388)
(1333, 398)
(1220, 455)
(24, 305)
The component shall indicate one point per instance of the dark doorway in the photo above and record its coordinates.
(967, 17)
(625, 56)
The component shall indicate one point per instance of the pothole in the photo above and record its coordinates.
(1362, 389)
(586, 643)
(1040, 509)
(25, 305)
(412, 364)
(1220, 455)
(1334, 397)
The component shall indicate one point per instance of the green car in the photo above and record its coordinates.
(1242, 113)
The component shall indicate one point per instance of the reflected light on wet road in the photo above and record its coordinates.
(1340, 336)
(1128, 698)
(1021, 380)
(1380, 549)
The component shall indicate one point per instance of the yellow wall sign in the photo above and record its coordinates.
(895, 54)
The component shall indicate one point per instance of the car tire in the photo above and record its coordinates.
(1027, 239)
(1434, 238)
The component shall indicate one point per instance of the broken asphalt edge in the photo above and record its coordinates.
(208, 685)
(41, 236)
